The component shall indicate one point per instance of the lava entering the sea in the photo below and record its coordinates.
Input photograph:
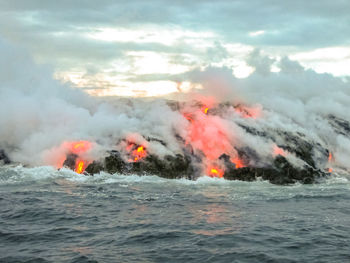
(215, 172)
(210, 136)
(75, 155)
(79, 167)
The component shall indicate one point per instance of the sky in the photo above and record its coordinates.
(149, 48)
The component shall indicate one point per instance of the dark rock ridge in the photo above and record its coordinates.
(339, 125)
(4, 158)
(280, 172)
(304, 148)
(70, 161)
(171, 167)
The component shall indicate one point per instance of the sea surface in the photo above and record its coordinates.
(60, 216)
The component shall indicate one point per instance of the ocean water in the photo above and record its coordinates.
(59, 216)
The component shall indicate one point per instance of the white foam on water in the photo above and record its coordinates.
(233, 190)
(210, 188)
(21, 174)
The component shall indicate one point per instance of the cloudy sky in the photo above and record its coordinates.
(141, 48)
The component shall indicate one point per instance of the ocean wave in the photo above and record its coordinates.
(19, 173)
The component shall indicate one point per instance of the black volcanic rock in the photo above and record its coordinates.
(339, 125)
(243, 174)
(296, 143)
(170, 167)
(114, 163)
(4, 158)
(94, 168)
(281, 173)
(70, 161)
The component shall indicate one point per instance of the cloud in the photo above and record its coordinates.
(75, 36)
(289, 22)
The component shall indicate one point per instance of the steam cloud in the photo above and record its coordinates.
(38, 114)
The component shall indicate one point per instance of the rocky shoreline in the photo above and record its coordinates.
(281, 172)
(312, 157)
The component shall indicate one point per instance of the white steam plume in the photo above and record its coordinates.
(38, 114)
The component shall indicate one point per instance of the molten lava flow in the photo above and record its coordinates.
(205, 109)
(215, 172)
(79, 167)
(330, 159)
(238, 162)
(77, 148)
(209, 135)
(137, 154)
(278, 151)
(189, 117)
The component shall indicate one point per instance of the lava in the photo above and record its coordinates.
(139, 153)
(330, 157)
(330, 160)
(215, 172)
(205, 109)
(188, 117)
(209, 136)
(278, 151)
(79, 167)
(238, 162)
(77, 149)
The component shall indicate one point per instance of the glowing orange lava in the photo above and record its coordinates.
(210, 136)
(238, 162)
(205, 109)
(279, 151)
(79, 168)
(215, 172)
(139, 153)
(189, 117)
(330, 159)
(79, 148)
